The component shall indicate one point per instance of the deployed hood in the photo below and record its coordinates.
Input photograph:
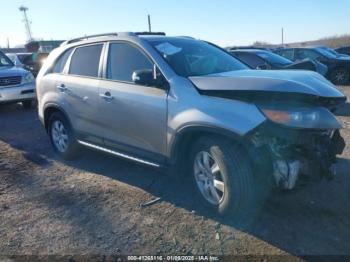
(274, 81)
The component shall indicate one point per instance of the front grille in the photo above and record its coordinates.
(10, 80)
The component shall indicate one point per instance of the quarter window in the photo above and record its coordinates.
(123, 60)
(86, 60)
(61, 62)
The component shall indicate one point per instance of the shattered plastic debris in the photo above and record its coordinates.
(151, 202)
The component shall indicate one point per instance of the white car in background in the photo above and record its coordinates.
(25, 61)
(16, 83)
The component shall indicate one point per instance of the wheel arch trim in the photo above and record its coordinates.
(52, 105)
(191, 128)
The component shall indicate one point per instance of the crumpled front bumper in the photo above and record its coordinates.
(17, 93)
(292, 153)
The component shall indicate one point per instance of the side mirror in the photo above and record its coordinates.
(144, 77)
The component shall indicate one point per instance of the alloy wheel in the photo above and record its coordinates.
(59, 136)
(208, 178)
(340, 76)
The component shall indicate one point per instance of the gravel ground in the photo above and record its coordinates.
(92, 206)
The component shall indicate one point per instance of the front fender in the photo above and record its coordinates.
(189, 109)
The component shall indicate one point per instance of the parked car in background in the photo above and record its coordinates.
(265, 60)
(332, 51)
(184, 103)
(343, 50)
(16, 84)
(28, 61)
(338, 67)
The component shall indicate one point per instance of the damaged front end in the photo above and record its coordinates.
(294, 154)
(300, 137)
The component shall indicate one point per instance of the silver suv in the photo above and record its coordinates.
(16, 84)
(185, 103)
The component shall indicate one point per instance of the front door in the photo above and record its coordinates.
(134, 116)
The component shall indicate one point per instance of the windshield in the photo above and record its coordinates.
(4, 60)
(274, 59)
(331, 51)
(26, 58)
(190, 57)
(326, 53)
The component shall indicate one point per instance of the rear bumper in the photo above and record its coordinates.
(17, 93)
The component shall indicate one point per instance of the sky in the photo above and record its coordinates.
(224, 22)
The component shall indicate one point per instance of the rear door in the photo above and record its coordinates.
(79, 87)
(135, 116)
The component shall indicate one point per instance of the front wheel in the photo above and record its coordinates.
(223, 177)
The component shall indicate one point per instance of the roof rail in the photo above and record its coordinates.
(87, 37)
(110, 34)
(149, 33)
(185, 36)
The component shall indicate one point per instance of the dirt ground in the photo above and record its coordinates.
(92, 206)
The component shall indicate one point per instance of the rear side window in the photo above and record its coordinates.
(86, 60)
(123, 60)
(61, 62)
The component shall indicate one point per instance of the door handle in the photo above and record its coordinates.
(107, 96)
(62, 88)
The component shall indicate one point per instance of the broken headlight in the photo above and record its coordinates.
(302, 117)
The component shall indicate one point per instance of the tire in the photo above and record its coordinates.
(238, 200)
(340, 76)
(27, 104)
(62, 137)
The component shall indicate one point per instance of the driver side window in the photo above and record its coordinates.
(123, 60)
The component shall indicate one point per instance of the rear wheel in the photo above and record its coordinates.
(340, 76)
(223, 177)
(61, 137)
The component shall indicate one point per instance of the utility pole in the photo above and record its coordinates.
(149, 24)
(26, 22)
(8, 43)
(282, 37)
